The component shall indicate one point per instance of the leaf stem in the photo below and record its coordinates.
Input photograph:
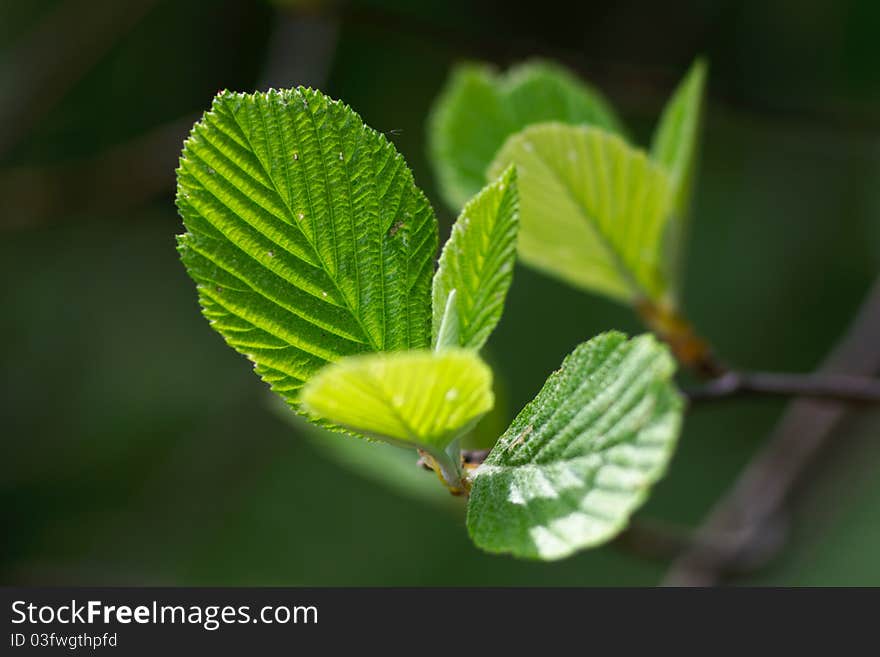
(444, 465)
(833, 387)
(694, 352)
(688, 347)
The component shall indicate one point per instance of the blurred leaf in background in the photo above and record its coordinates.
(479, 109)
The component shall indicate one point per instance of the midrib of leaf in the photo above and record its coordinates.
(355, 303)
(352, 306)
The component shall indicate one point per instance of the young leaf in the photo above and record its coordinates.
(478, 109)
(674, 146)
(306, 235)
(676, 138)
(414, 398)
(592, 209)
(476, 266)
(580, 458)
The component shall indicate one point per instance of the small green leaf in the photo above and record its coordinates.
(306, 234)
(413, 398)
(479, 108)
(592, 209)
(676, 138)
(675, 146)
(581, 457)
(476, 266)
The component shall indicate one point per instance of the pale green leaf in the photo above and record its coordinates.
(592, 209)
(306, 234)
(676, 138)
(476, 266)
(675, 146)
(581, 457)
(479, 108)
(414, 398)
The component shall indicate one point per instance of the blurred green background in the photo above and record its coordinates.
(138, 449)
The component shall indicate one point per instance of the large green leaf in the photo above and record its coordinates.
(675, 146)
(479, 108)
(306, 234)
(580, 458)
(592, 209)
(477, 264)
(414, 398)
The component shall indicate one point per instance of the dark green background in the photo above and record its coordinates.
(137, 448)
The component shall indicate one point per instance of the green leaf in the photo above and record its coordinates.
(676, 138)
(580, 458)
(675, 146)
(476, 266)
(412, 398)
(592, 209)
(479, 108)
(306, 234)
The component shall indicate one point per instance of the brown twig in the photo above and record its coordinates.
(690, 349)
(649, 539)
(833, 387)
(756, 502)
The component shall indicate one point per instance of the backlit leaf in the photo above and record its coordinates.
(675, 141)
(477, 263)
(414, 398)
(592, 209)
(305, 234)
(675, 146)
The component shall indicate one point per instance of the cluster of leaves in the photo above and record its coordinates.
(313, 253)
(597, 212)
